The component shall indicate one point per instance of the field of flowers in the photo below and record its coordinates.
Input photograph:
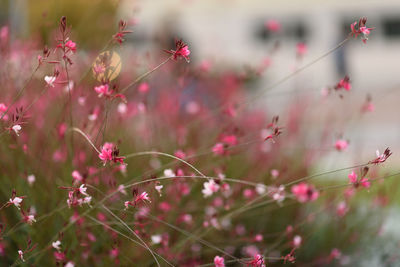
(109, 157)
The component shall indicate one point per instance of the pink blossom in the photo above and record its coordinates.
(70, 45)
(16, 128)
(344, 83)
(21, 255)
(297, 241)
(381, 157)
(3, 108)
(365, 182)
(77, 176)
(305, 192)
(182, 51)
(103, 90)
(142, 197)
(272, 25)
(16, 201)
(353, 177)
(362, 29)
(56, 245)
(258, 261)
(218, 149)
(341, 144)
(219, 261)
(301, 49)
(210, 187)
(342, 209)
(143, 88)
(82, 190)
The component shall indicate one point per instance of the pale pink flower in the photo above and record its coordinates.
(341, 144)
(50, 80)
(159, 188)
(31, 179)
(341, 209)
(156, 239)
(219, 261)
(297, 241)
(274, 173)
(77, 176)
(30, 219)
(210, 187)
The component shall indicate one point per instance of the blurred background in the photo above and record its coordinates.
(233, 34)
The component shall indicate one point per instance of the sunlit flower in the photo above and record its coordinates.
(50, 80)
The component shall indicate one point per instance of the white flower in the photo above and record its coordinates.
(16, 128)
(69, 264)
(210, 187)
(82, 190)
(156, 239)
(31, 179)
(57, 245)
(31, 219)
(21, 255)
(169, 173)
(260, 188)
(158, 188)
(16, 201)
(50, 80)
(122, 108)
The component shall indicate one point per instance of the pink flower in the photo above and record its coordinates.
(105, 155)
(182, 51)
(365, 182)
(381, 157)
(341, 144)
(362, 29)
(103, 90)
(21, 255)
(142, 197)
(218, 149)
(77, 176)
(219, 261)
(50, 80)
(343, 83)
(70, 45)
(109, 152)
(82, 190)
(143, 88)
(301, 49)
(342, 209)
(29, 219)
(305, 192)
(3, 109)
(353, 177)
(272, 25)
(297, 241)
(210, 187)
(258, 261)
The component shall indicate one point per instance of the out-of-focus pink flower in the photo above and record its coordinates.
(3, 109)
(218, 149)
(219, 261)
(344, 83)
(143, 88)
(103, 90)
(341, 209)
(297, 241)
(142, 197)
(210, 187)
(352, 177)
(341, 144)
(301, 49)
(364, 182)
(305, 192)
(272, 25)
(335, 254)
